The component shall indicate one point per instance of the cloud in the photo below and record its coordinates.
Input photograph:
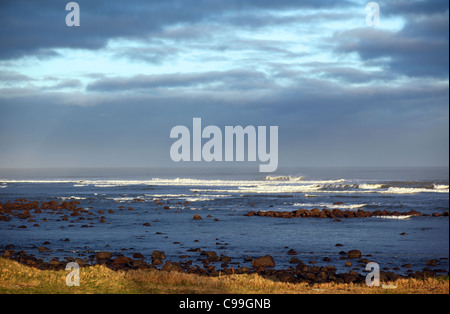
(13, 77)
(67, 83)
(320, 122)
(414, 7)
(340, 93)
(37, 27)
(232, 79)
(352, 75)
(420, 49)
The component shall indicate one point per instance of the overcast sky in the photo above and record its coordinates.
(107, 93)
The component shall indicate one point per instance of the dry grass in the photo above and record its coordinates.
(17, 278)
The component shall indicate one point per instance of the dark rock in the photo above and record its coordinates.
(354, 254)
(172, 266)
(81, 262)
(103, 256)
(321, 276)
(25, 215)
(265, 261)
(301, 268)
(197, 217)
(226, 259)
(138, 255)
(122, 260)
(43, 249)
(54, 263)
(211, 256)
(158, 255)
(349, 277)
(295, 260)
(139, 263)
(244, 270)
(432, 262)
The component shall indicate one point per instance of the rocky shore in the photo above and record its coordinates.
(198, 261)
(338, 214)
(210, 261)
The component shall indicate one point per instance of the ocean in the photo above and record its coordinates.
(167, 199)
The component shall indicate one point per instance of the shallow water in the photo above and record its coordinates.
(227, 197)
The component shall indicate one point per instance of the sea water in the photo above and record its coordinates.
(225, 195)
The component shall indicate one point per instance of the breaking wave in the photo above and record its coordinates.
(330, 206)
(284, 178)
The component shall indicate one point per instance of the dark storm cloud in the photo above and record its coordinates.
(330, 109)
(316, 118)
(38, 27)
(414, 7)
(421, 48)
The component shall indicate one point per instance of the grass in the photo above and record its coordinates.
(16, 278)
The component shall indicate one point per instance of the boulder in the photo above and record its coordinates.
(349, 277)
(265, 261)
(43, 249)
(103, 256)
(158, 255)
(139, 263)
(122, 260)
(354, 254)
(432, 262)
(172, 266)
(138, 255)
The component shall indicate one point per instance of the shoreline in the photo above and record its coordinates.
(207, 265)
(197, 261)
(16, 278)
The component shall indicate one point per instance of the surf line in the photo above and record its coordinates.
(220, 148)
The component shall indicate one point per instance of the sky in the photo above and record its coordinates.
(108, 92)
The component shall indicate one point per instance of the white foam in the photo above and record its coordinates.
(370, 186)
(328, 205)
(283, 178)
(272, 185)
(72, 198)
(122, 199)
(267, 189)
(400, 190)
(394, 217)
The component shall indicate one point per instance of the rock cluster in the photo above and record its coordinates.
(335, 213)
(264, 266)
